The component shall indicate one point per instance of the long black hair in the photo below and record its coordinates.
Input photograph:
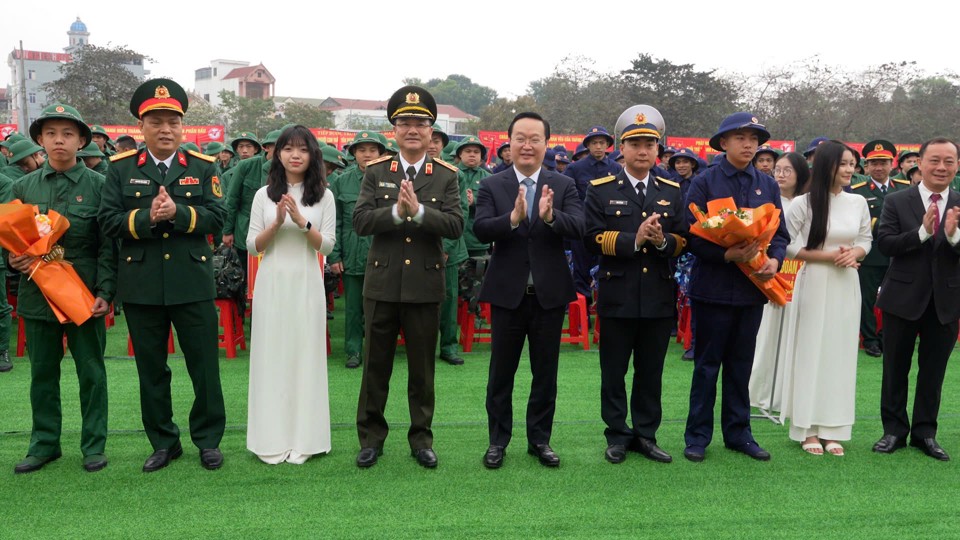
(314, 181)
(825, 167)
(799, 165)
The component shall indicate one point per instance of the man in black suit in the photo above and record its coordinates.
(526, 212)
(919, 297)
(635, 223)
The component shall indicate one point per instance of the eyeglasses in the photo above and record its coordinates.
(532, 141)
(784, 171)
(412, 125)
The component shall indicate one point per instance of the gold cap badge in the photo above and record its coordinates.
(413, 98)
(641, 118)
(59, 108)
(161, 92)
(878, 147)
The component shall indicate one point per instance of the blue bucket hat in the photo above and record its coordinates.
(767, 149)
(501, 148)
(739, 120)
(813, 145)
(669, 150)
(562, 157)
(615, 155)
(685, 153)
(560, 149)
(580, 151)
(550, 158)
(598, 131)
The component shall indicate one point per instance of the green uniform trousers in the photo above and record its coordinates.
(197, 330)
(353, 307)
(45, 349)
(449, 344)
(871, 277)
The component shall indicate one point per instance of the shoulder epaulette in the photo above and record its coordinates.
(904, 182)
(445, 164)
(204, 157)
(380, 159)
(668, 182)
(857, 186)
(118, 157)
(602, 181)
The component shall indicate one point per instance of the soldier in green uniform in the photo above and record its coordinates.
(472, 154)
(5, 147)
(161, 202)
(269, 142)
(68, 187)
(26, 157)
(245, 145)
(101, 139)
(333, 162)
(454, 254)
(93, 158)
(126, 143)
(878, 155)
(408, 203)
(226, 159)
(6, 189)
(349, 256)
(905, 161)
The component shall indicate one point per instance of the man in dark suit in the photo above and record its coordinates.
(527, 212)
(919, 297)
(408, 203)
(635, 223)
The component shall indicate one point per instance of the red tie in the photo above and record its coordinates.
(935, 198)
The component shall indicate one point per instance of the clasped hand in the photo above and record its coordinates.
(949, 221)
(845, 257)
(520, 205)
(650, 231)
(407, 203)
(162, 208)
(287, 205)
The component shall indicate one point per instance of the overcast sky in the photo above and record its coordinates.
(356, 49)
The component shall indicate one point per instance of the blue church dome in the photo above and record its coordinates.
(78, 26)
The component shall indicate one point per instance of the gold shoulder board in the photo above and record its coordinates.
(602, 181)
(857, 186)
(204, 157)
(445, 164)
(668, 182)
(121, 155)
(385, 157)
(904, 182)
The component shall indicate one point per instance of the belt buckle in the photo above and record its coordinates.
(529, 290)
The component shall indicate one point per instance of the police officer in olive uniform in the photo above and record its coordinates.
(69, 188)
(162, 202)
(408, 203)
(635, 223)
(349, 256)
(879, 156)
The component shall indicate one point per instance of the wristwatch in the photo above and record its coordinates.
(306, 228)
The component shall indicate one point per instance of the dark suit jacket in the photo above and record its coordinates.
(917, 270)
(405, 262)
(533, 246)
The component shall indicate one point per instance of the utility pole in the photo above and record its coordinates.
(22, 117)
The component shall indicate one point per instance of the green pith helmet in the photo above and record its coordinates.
(367, 137)
(393, 147)
(333, 156)
(190, 146)
(472, 141)
(98, 130)
(272, 137)
(443, 135)
(91, 150)
(22, 149)
(214, 148)
(228, 148)
(59, 111)
(12, 138)
(248, 136)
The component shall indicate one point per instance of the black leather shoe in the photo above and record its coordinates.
(162, 458)
(650, 450)
(452, 359)
(426, 457)
(5, 364)
(545, 454)
(930, 447)
(616, 453)
(889, 444)
(694, 453)
(94, 462)
(33, 463)
(873, 350)
(211, 458)
(368, 457)
(687, 355)
(493, 459)
(353, 361)
(751, 449)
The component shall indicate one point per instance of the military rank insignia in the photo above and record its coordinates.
(393, 166)
(190, 181)
(217, 190)
(429, 168)
(182, 159)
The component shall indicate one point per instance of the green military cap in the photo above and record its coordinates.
(59, 111)
(392, 146)
(248, 136)
(22, 149)
(98, 130)
(228, 148)
(12, 138)
(272, 137)
(471, 141)
(331, 155)
(411, 102)
(156, 95)
(367, 137)
(443, 135)
(91, 150)
(190, 146)
(213, 148)
(904, 154)
(879, 149)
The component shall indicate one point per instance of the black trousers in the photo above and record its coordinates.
(936, 345)
(646, 340)
(871, 277)
(383, 322)
(509, 328)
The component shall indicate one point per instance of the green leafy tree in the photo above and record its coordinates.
(460, 91)
(307, 115)
(248, 114)
(202, 113)
(498, 115)
(98, 84)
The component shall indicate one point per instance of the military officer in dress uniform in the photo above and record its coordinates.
(162, 202)
(879, 156)
(635, 223)
(408, 203)
(66, 186)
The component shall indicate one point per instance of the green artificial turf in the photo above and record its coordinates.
(862, 495)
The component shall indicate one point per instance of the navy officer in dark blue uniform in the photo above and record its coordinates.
(635, 222)
(727, 304)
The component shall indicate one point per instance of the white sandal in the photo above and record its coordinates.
(833, 445)
(810, 447)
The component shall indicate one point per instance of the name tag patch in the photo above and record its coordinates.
(189, 181)
(618, 203)
(139, 181)
(390, 185)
